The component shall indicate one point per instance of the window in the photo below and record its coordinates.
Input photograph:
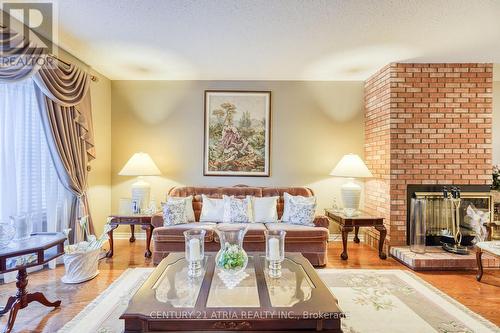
(28, 179)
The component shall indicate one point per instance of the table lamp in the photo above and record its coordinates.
(351, 166)
(140, 164)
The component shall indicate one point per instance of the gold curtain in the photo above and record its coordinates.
(67, 116)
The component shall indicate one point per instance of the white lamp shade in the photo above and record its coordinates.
(351, 166)
(140, 164)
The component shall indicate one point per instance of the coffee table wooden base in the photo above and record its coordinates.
(210, 326)
(22, 299)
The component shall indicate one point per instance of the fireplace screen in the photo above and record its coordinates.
(447, 218)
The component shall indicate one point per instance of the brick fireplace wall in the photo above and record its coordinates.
(424, 124)
(377, 147)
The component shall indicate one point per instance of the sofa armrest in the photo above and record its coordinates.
(321, 221)
(157, 220)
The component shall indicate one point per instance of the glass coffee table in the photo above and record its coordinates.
(169, 300)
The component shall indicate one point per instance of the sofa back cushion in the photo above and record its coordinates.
(239, 191)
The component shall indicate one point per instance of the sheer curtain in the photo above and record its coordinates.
(28, 178)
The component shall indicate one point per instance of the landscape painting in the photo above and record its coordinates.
(237, 133)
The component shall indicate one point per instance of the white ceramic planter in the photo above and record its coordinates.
(81, 267)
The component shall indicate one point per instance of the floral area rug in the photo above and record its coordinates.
(373, 300)
(398, 301)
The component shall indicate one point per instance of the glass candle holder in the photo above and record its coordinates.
(275, 251)
(195, 250)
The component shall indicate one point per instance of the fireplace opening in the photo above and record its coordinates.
(437, 214)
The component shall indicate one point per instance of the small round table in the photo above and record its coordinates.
(39, 249)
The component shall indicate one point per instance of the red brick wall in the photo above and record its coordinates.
(377, 147)
(440, 118)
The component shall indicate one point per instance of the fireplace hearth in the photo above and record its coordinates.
(438, 230)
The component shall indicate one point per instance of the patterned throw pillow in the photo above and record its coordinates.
(298, 209)
(302, 213)
(189, 206)
(288, 205)
(237, 210)
(174, 212)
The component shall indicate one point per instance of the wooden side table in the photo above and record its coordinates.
(132, 220)
(491, 247)
(39, 249)
(347, 224)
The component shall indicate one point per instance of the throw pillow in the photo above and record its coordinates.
(287, 205)
(237, 210)
(212, 209)
(265, 209)
(174, 212)
(189, 206)
(302, 213)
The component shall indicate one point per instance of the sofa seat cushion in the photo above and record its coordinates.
(174, 233)
(255, 232)
(300, 233)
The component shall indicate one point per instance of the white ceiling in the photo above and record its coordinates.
(274, 39)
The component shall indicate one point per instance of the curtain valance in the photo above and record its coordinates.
(64, 84)
(67, 86)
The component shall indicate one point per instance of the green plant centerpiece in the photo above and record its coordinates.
(231, 257)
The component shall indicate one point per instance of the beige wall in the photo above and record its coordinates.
(99, 191)
(313, 125)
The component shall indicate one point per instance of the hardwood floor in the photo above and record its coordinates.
(483, 298)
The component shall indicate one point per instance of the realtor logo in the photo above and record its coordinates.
(37, 17)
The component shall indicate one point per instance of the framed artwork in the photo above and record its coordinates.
(237, 133)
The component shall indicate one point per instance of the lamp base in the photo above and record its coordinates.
(351, 193)
(140, 193)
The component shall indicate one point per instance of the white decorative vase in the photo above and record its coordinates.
(351, 193)
(140, 193)
(81, 266)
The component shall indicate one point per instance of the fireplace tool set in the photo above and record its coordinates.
(449, 216)
(453, 201)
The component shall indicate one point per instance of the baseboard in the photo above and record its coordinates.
(350, 237)
(126, 235)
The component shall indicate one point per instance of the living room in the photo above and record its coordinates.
(235, 165)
